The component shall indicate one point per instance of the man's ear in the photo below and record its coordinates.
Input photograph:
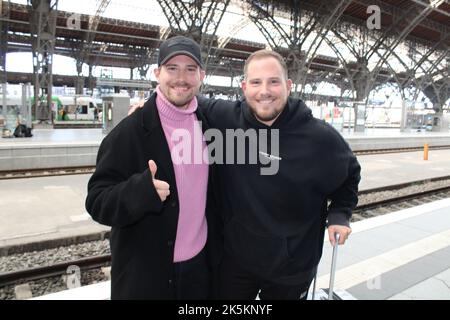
(156, 72)
(244, 85)
(202, 74)
(289, 85)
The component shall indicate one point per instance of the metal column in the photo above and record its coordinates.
(43, 25)
(4, 11)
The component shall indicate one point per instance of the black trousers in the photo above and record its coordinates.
(236, 282)
(192, 278)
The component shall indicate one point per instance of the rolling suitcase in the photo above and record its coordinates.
(331, 293)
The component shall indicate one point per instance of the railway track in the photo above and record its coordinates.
(57, 269)
(48, 172)
(365, 210)
(398, 150)
(377, 208)
(414, 196)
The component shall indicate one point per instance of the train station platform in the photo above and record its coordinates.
(398, 256)
(51, 148)
(62, 148)
(379, 170)
(403, 255)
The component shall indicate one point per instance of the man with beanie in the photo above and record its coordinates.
(164, 236)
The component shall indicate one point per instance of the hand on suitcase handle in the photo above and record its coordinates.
(343, 231)
(337, 236)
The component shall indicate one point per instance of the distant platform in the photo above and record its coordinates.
(62, 148)
(77, 124)
(51, 148)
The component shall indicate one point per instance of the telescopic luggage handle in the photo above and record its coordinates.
(333, 270)
(333, 266)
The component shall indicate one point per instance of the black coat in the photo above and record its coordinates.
(121, 195)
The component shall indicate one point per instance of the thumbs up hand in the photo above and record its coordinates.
(161, 187)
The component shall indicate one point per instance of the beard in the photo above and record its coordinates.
(264, 116)
(181, 99)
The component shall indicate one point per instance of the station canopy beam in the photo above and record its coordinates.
(43, 27)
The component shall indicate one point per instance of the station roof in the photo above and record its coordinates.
(127, 42)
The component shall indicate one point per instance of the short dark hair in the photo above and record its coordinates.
(266, 54)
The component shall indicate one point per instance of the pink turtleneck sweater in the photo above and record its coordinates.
(191, 174)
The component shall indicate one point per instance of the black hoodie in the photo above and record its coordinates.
(274, 224)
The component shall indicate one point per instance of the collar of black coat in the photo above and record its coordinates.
(150, 116)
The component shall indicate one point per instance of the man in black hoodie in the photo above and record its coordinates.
(276, 209)
(275, 220)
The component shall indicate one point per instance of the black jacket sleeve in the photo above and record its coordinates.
(218, 112)
(345, 198)
(118, 194)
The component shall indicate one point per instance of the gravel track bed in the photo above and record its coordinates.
(53, 284)
(51, 256)
(389, 194)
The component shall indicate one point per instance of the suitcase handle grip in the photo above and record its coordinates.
(333, 266)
